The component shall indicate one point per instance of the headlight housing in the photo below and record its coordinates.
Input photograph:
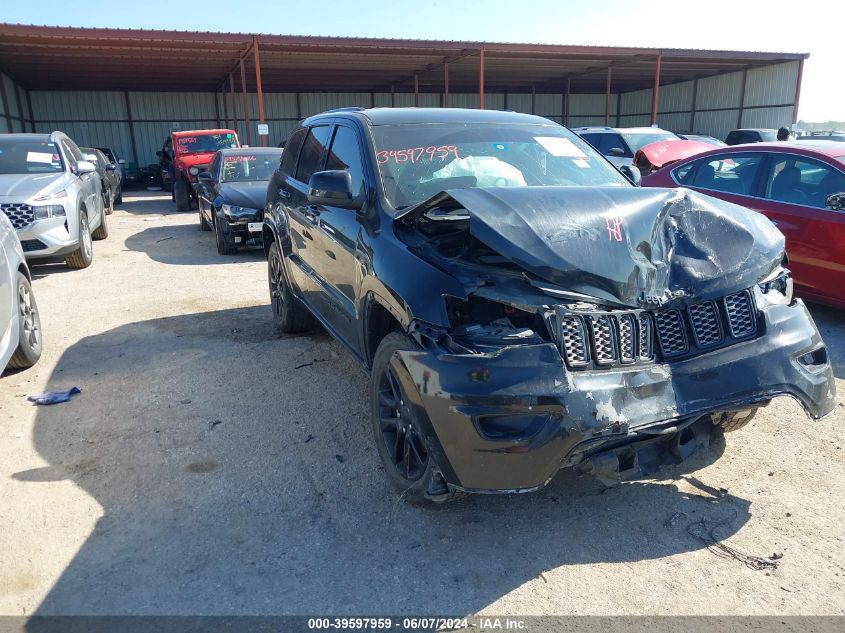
(234, 211)
(46, 211)
(777, 288)
(194, 171)
(59, 195)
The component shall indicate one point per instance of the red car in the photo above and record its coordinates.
(649, 158)
(191, 153)
(792, 185)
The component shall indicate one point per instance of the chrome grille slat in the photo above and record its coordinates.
(20, 215)
(604, 343)
(704, 318)
(741, 319)
(574, 341)
(646, 350)
(627, 347)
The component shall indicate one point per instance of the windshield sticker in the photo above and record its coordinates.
(583, 163)
(560, 146)
(417, 154)
(40, 157)
(238, 159)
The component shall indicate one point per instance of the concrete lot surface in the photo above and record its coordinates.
(209, 467)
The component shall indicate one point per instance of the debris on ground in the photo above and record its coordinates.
(309, 438)
(340, 458)
(54, 397)
(164, 239)
(303, 365)
(776, 556)
(672, 520)
(185, 401)
(214, 423)
(18, 435)
(705, 530)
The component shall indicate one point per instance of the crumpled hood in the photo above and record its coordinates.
(24, 187)
(628, 245)
(252, 195)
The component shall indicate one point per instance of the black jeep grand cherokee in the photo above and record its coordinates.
(521, 307)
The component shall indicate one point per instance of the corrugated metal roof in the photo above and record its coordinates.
(46, 57)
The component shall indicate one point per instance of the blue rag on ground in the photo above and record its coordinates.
(54, 397)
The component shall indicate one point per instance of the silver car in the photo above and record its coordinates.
(52, 196)
(619, 144)
(20, 326)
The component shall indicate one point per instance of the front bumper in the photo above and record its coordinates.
(47, 238)
(238, 224)
(508, 421)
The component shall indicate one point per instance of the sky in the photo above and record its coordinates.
(807, 27)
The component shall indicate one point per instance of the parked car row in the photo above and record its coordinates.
(519, 304)
(54, 201)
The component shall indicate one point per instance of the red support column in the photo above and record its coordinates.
(225, 104)
(607, 97)
(258, 90)
(481, 79)
(234, 103)
(655, 93)
(245, 104)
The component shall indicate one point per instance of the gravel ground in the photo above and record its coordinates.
(211, 468)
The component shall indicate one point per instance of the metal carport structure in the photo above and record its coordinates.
(698, 90)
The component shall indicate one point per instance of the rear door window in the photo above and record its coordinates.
(729, 173)
(313, 149)
(803, 181)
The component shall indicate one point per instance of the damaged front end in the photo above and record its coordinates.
(610, 330)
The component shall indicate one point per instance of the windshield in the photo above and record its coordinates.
(29, 157)
(250, 167)
(637, 140)
(768, 136)
(418, 161)
(205, 143)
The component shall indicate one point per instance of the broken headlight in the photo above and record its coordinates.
(777, 288)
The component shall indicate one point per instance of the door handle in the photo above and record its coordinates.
(312, 213)
(284, 194)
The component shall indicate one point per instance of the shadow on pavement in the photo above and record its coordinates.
(186, 244)
(237, 475)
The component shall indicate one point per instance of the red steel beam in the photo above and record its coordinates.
(234, 102)
(245, 104)
(260, 93)
(655, 93)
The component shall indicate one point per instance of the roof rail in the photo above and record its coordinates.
(346, 109)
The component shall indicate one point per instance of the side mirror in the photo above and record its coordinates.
(836, 202)
(632, 173)
(111, 167)
(333, 189)
(616, 151)
(85, 167)
(204, 176)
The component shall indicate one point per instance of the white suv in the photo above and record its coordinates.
(619, 144)
(52, 196)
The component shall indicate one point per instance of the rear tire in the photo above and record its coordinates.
(730, 421)
(84, 255)
(102, 231)
(119, 198)
(399, 438)
(182, 196)
(29, 336)
(289, 315)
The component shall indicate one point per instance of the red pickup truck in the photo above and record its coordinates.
(190, 153)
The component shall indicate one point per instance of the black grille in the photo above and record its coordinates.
(20, 215)
(740, 315)
(573, 341)
(705, 324)
(32, 245)
(610, 338)
(670, 332)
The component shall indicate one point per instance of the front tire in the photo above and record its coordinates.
(119, 198)
(29, 335)
(289, 315)
(225, 240)
(399, 438)
(84, 255)
(182, 196)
